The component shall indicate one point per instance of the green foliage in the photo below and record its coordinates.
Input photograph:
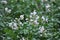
(29, 19)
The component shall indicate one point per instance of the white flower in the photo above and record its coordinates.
(4, 1)
(47, 6)
(10, 24)
(43, 17)
(21, 17)
(35, 22)
(21, 23)
(15, 26)
(37, 17)
(16, 18)
(33, 13)
(46, 19)
(31, 20)
(8, 10)
(41, 29)
(26, 19)
(48, 10)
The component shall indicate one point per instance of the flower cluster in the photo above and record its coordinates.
(21, 17)
(34, 17)
(41, 29)
(44, 18)
(8, 10)
(33, 20)
(13, 25)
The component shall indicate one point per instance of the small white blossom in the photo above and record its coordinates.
(47, 6)
(15, 26)
(8, 10)
(4, 2)
(41, 29)
(43, 17)
(48, 10)
(16, 18)
(21, 23)
(33, 13)
(10, 24)
(35, 22)
(26, 19)
(46, 19)
(37, 17)
(21, 17)
(31, 20)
